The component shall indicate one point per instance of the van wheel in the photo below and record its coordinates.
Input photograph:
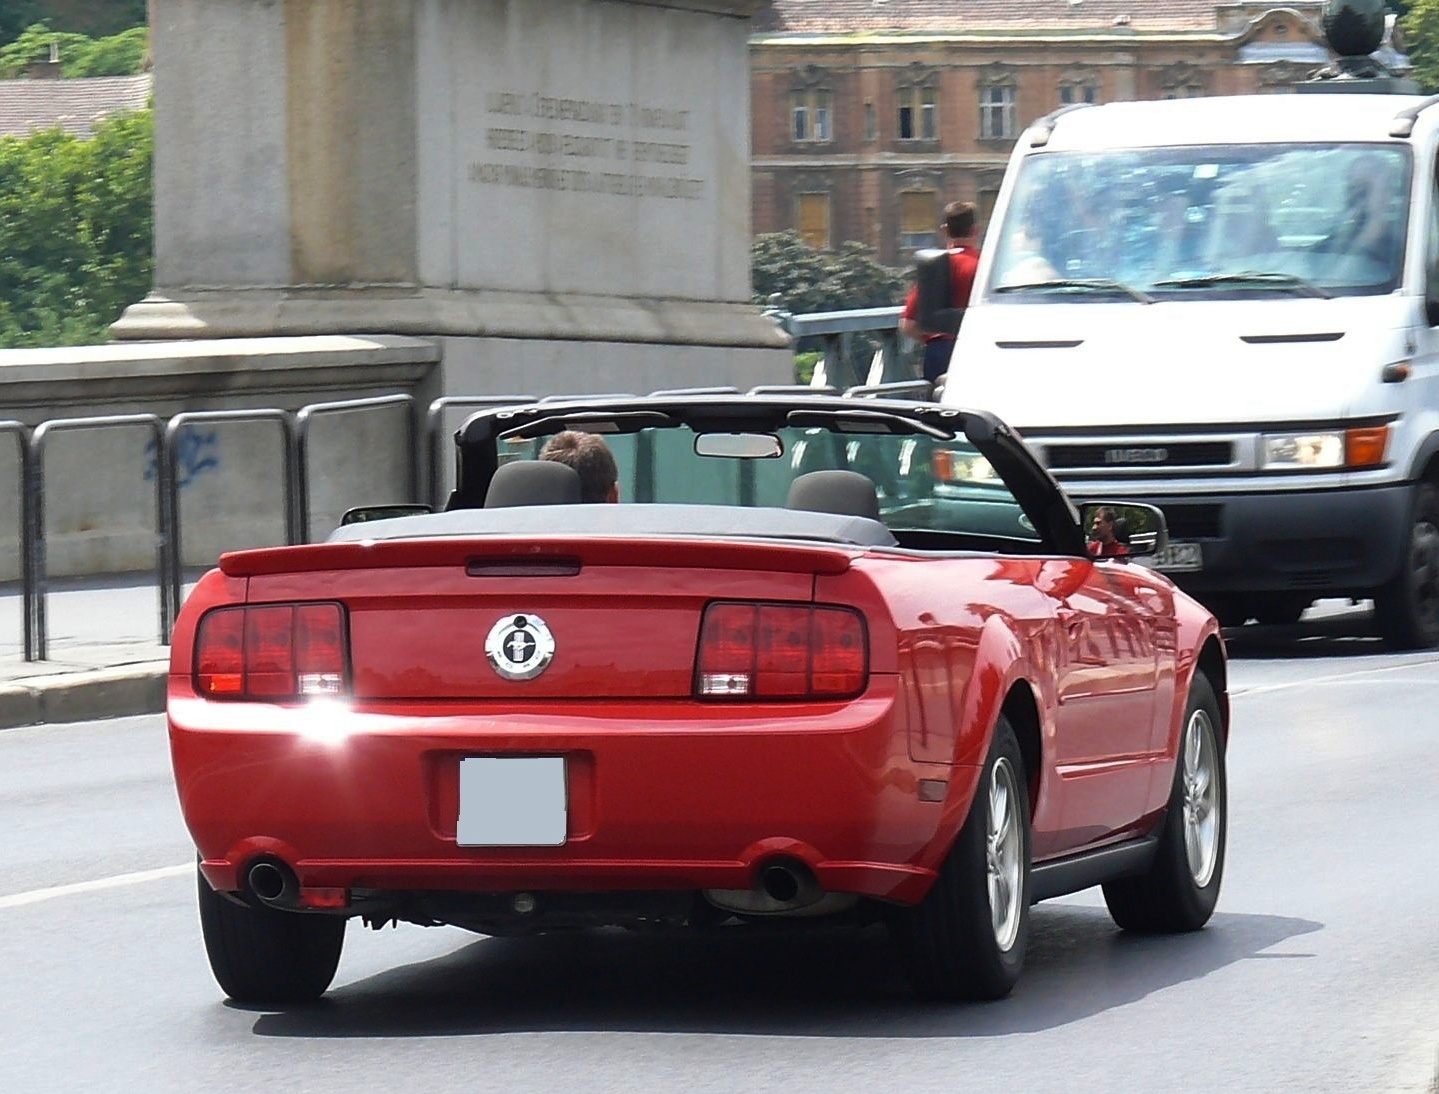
(1407, 609)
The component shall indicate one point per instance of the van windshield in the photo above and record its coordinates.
(1224, 220)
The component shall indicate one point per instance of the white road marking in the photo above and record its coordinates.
(37, 896)
(1335, 678)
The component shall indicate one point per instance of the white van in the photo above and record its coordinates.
(1229, 307)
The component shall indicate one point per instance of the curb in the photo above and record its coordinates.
(84, 696)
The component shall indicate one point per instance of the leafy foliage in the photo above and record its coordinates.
(119, 55)
(808, 281)
(96, 18)
(76, 220)
(1421, 36)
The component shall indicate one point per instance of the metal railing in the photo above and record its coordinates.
(21, 432)
(308, 414)
(170, 587)
(848, 338)
(36, 645)
(885, 373)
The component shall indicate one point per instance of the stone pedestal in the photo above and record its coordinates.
(556, 190)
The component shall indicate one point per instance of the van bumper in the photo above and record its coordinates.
(1343, 542)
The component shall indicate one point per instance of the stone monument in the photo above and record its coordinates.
(555, 191)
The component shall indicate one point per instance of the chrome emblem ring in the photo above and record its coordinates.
(520, 647)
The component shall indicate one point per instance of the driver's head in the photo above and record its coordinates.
(591, 459)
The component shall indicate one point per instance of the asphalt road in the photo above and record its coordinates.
(1319, 972)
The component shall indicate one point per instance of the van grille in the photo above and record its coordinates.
(1122, 456)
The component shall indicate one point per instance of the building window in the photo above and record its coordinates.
(811, 115)
(996, 111)
(918, 215)
(1181, 81)
(919, 112)
(1084, 91)
(813, 217)
(871, 125)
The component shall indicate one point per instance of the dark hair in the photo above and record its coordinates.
(959, 219)
(591, 459)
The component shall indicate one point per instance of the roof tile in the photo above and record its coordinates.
(76, 106)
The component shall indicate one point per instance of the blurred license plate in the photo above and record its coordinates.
(1179, 556)
(512, 801)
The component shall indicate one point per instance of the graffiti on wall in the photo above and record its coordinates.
(195, 454)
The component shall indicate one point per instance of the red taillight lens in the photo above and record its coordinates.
(781, 651)
(272, 651)
(220, 654)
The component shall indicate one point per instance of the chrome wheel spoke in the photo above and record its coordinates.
(1200, 803)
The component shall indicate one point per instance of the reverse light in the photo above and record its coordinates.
(272, 652)
(1329, 449)
(781, 651)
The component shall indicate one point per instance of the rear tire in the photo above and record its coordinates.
(263, 955)
(1407, 608)
(966, 939)
(1179, 891)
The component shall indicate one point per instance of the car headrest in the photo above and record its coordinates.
(533, 482)
(845, 493)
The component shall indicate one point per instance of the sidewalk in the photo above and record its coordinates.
(105, 658)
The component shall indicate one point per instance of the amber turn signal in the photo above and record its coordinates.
(1365, 447)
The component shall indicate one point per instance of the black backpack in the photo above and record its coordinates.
(935, 310)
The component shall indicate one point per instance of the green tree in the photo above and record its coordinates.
(807, 280)
(76, 219)
(1421, 37)
(96, 18)
(119, 55)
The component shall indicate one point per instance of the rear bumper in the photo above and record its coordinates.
(660, 796)
(1321, 543)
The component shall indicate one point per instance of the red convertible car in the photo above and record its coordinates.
(828, 659)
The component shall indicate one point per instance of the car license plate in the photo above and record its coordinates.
(1179, 556)
(512, 801)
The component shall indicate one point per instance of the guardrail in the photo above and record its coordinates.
(840, 332)
(170, 587)
(36, 645)
(421, 453)
(21, 432)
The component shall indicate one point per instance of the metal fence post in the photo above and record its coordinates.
(39, 561)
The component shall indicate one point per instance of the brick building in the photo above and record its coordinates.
(870, 114)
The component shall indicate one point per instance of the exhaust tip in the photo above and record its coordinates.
(785, 881)
(273, 882)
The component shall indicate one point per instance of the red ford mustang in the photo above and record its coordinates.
(827, 659)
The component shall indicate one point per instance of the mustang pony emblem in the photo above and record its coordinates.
(520, 647)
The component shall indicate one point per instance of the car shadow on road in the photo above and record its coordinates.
(773, 983)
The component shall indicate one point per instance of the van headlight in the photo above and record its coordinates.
(1325, 450)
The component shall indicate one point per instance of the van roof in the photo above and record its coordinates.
(1243, 119)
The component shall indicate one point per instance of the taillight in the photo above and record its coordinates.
(272, 651)
(781, 651)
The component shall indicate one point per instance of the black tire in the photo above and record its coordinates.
(951, 944)
(1407, 608)
(263, 955)
(1179, 891)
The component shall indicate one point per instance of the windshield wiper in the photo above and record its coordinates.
(1088, 284)
(1258, 280)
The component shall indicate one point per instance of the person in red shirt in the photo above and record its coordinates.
(959, 230)
(1107, 534)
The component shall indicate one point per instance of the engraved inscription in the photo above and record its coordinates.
(558, 147)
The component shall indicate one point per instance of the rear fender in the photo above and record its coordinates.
(1000, 663)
